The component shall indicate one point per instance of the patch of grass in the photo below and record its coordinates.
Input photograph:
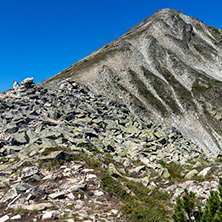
(150, 98)
(183, 94)
(143, 206)
(175, 171)
(24, 211)
(162, 89)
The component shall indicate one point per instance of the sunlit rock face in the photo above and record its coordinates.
(167, 69)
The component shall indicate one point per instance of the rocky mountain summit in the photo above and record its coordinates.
(119, 135)
(166, 69)
(66, 153)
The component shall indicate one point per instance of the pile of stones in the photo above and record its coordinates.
(67, 114)
(63, 119)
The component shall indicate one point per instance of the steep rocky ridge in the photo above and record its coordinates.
(167, 69)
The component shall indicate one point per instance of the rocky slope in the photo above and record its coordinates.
(67, 154)
(166, 69)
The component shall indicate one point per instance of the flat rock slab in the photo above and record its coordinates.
(4, 218)
(204, 172)
(29, 171)
(57, 195)
(40, 206)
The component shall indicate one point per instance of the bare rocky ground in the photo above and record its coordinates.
(67, 154)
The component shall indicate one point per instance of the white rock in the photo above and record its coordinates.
(191, 174)
(71, 196)
(196, 165)
(16, 217)
(87, 170)
(40, 206)
(48, 215)
(56, 195)
(49, 177)
(204, 172)
(4, 218)
(98, 193)
(113, 211)
(83, 213)
(27, 81)
(67, 170)
(91, 176)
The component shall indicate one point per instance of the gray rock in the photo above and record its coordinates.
(29, 171)
(191, 174)
(204, 172)
(196, 165)
(165, 173)
(22, 187)
(20, 138)
(11, 194)
(78, 187)
(27, 81)
(57, 195)
(49, 215)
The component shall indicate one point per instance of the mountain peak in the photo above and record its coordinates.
(168, 69)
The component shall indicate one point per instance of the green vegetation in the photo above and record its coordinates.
(138, 202)
(175, 171)
(186, 209)
(183, 94)
(147, 94)
(162, 89)
(144, 205)
(216, 33)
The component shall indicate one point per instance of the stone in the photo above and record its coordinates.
(57, 195)
(165, 173)
(78, 204)
(20, 138)
(113, 171)
(113, 211)
(49, 215)
(33, 178)
(191, 174)
(40, 206)
(11, 128)
(78, 187)
(204, 172)
(16, 217)
(4, 218)
(71, 196)
(98, 193)
(145, 180)
(49, 177)
(27, 81)
(91, 176)
(83, 213)
(137, 169)
(22, 187)
(29, 171)
(196, 165)
(15, 85)
(11, 194)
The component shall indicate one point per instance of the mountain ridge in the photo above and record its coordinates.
(164, 69)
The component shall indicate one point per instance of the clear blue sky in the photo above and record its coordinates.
(40, 38)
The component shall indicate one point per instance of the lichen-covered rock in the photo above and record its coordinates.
(191, 174)
(29, 171)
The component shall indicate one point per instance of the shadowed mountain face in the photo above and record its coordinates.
(167, 69)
